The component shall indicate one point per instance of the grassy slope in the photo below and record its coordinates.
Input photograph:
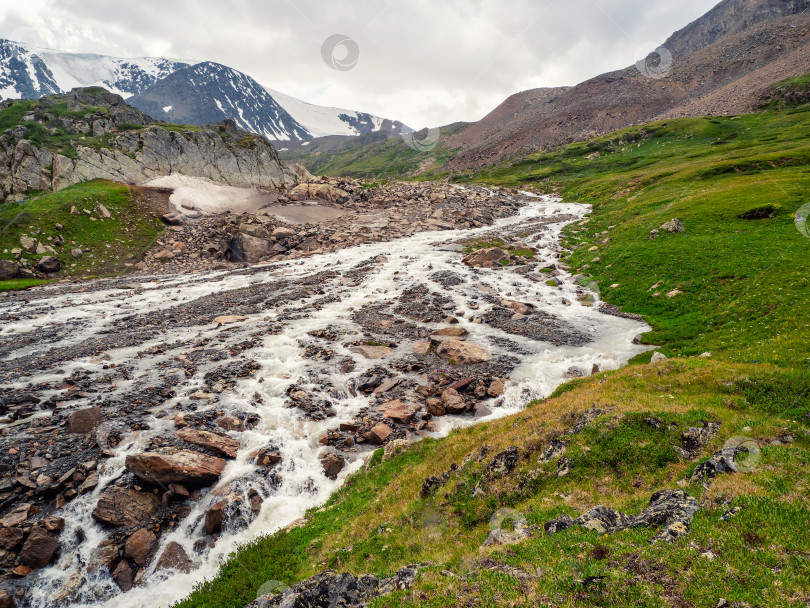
(390, 158)
(108, 243)
(744, 283)
(745, 297)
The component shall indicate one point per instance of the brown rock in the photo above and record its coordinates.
(332, 464)
(217, 442)
(53, 523)
(436, 407)
(10, 538)
(214, 517)
(451, 332)
(399, 410)
(255, 501)
(380, 433)
(372, 352)
(463, 353)
(125, 507)
(21, 571)
(496, 387)
(185, 467)
(174, 557)
(124, 575)
(19, 515)
(453, 402)
(231, 423)
(39, 548)
(84, 421)
(7, 600)
(141, 546)
(104, 556)
(492, 257)
(228, 319)
(519, 307)
(268, 457)
(421, 348)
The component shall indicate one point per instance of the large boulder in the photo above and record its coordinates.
(321, 192)
(141, 546)
(248, 249)
(125, 507)
(380, 433)
(184, 467)
(463, 353)
(399, 411)
(49, 265)
(174, 557)
(39, 548)
(216, 442)
(332, 464)
(84, 421)
(492, 257)
(9, 270)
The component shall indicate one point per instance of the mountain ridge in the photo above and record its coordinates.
(31, 73)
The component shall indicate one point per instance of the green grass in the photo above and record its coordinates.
(19, 284)
(109, 243)
(743, 283)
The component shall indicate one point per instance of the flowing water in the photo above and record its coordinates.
(284, 304)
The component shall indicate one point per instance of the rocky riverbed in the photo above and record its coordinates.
(150, 424)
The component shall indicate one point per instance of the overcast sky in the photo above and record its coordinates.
(425, 62)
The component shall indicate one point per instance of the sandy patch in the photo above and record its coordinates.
(303, 214)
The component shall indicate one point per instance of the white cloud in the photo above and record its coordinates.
(421, 61)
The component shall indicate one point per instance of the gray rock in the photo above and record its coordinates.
(9, 270)
(602, 520)
(657, 357)
(49, 265)
(673, 225)
(339, 590)
(558, 524)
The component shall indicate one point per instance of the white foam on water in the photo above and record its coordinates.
(408, 261)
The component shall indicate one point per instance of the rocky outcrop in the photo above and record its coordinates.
(334, 589)
(116, 142)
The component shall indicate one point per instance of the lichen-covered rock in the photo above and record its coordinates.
(333, 589)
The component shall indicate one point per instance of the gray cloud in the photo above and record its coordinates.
(423, 62)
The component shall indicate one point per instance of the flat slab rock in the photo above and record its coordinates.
(125, 507)
(183, 467)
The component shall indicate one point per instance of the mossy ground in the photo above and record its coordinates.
(743, 295)
(108, 244)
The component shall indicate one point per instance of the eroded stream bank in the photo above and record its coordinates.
(168, 420)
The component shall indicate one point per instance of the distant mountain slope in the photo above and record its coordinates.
(720, 64)
(210, 92)
(207, 93)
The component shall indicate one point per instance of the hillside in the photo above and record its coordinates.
(383, 154)
(720, 64)
(717, 445)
